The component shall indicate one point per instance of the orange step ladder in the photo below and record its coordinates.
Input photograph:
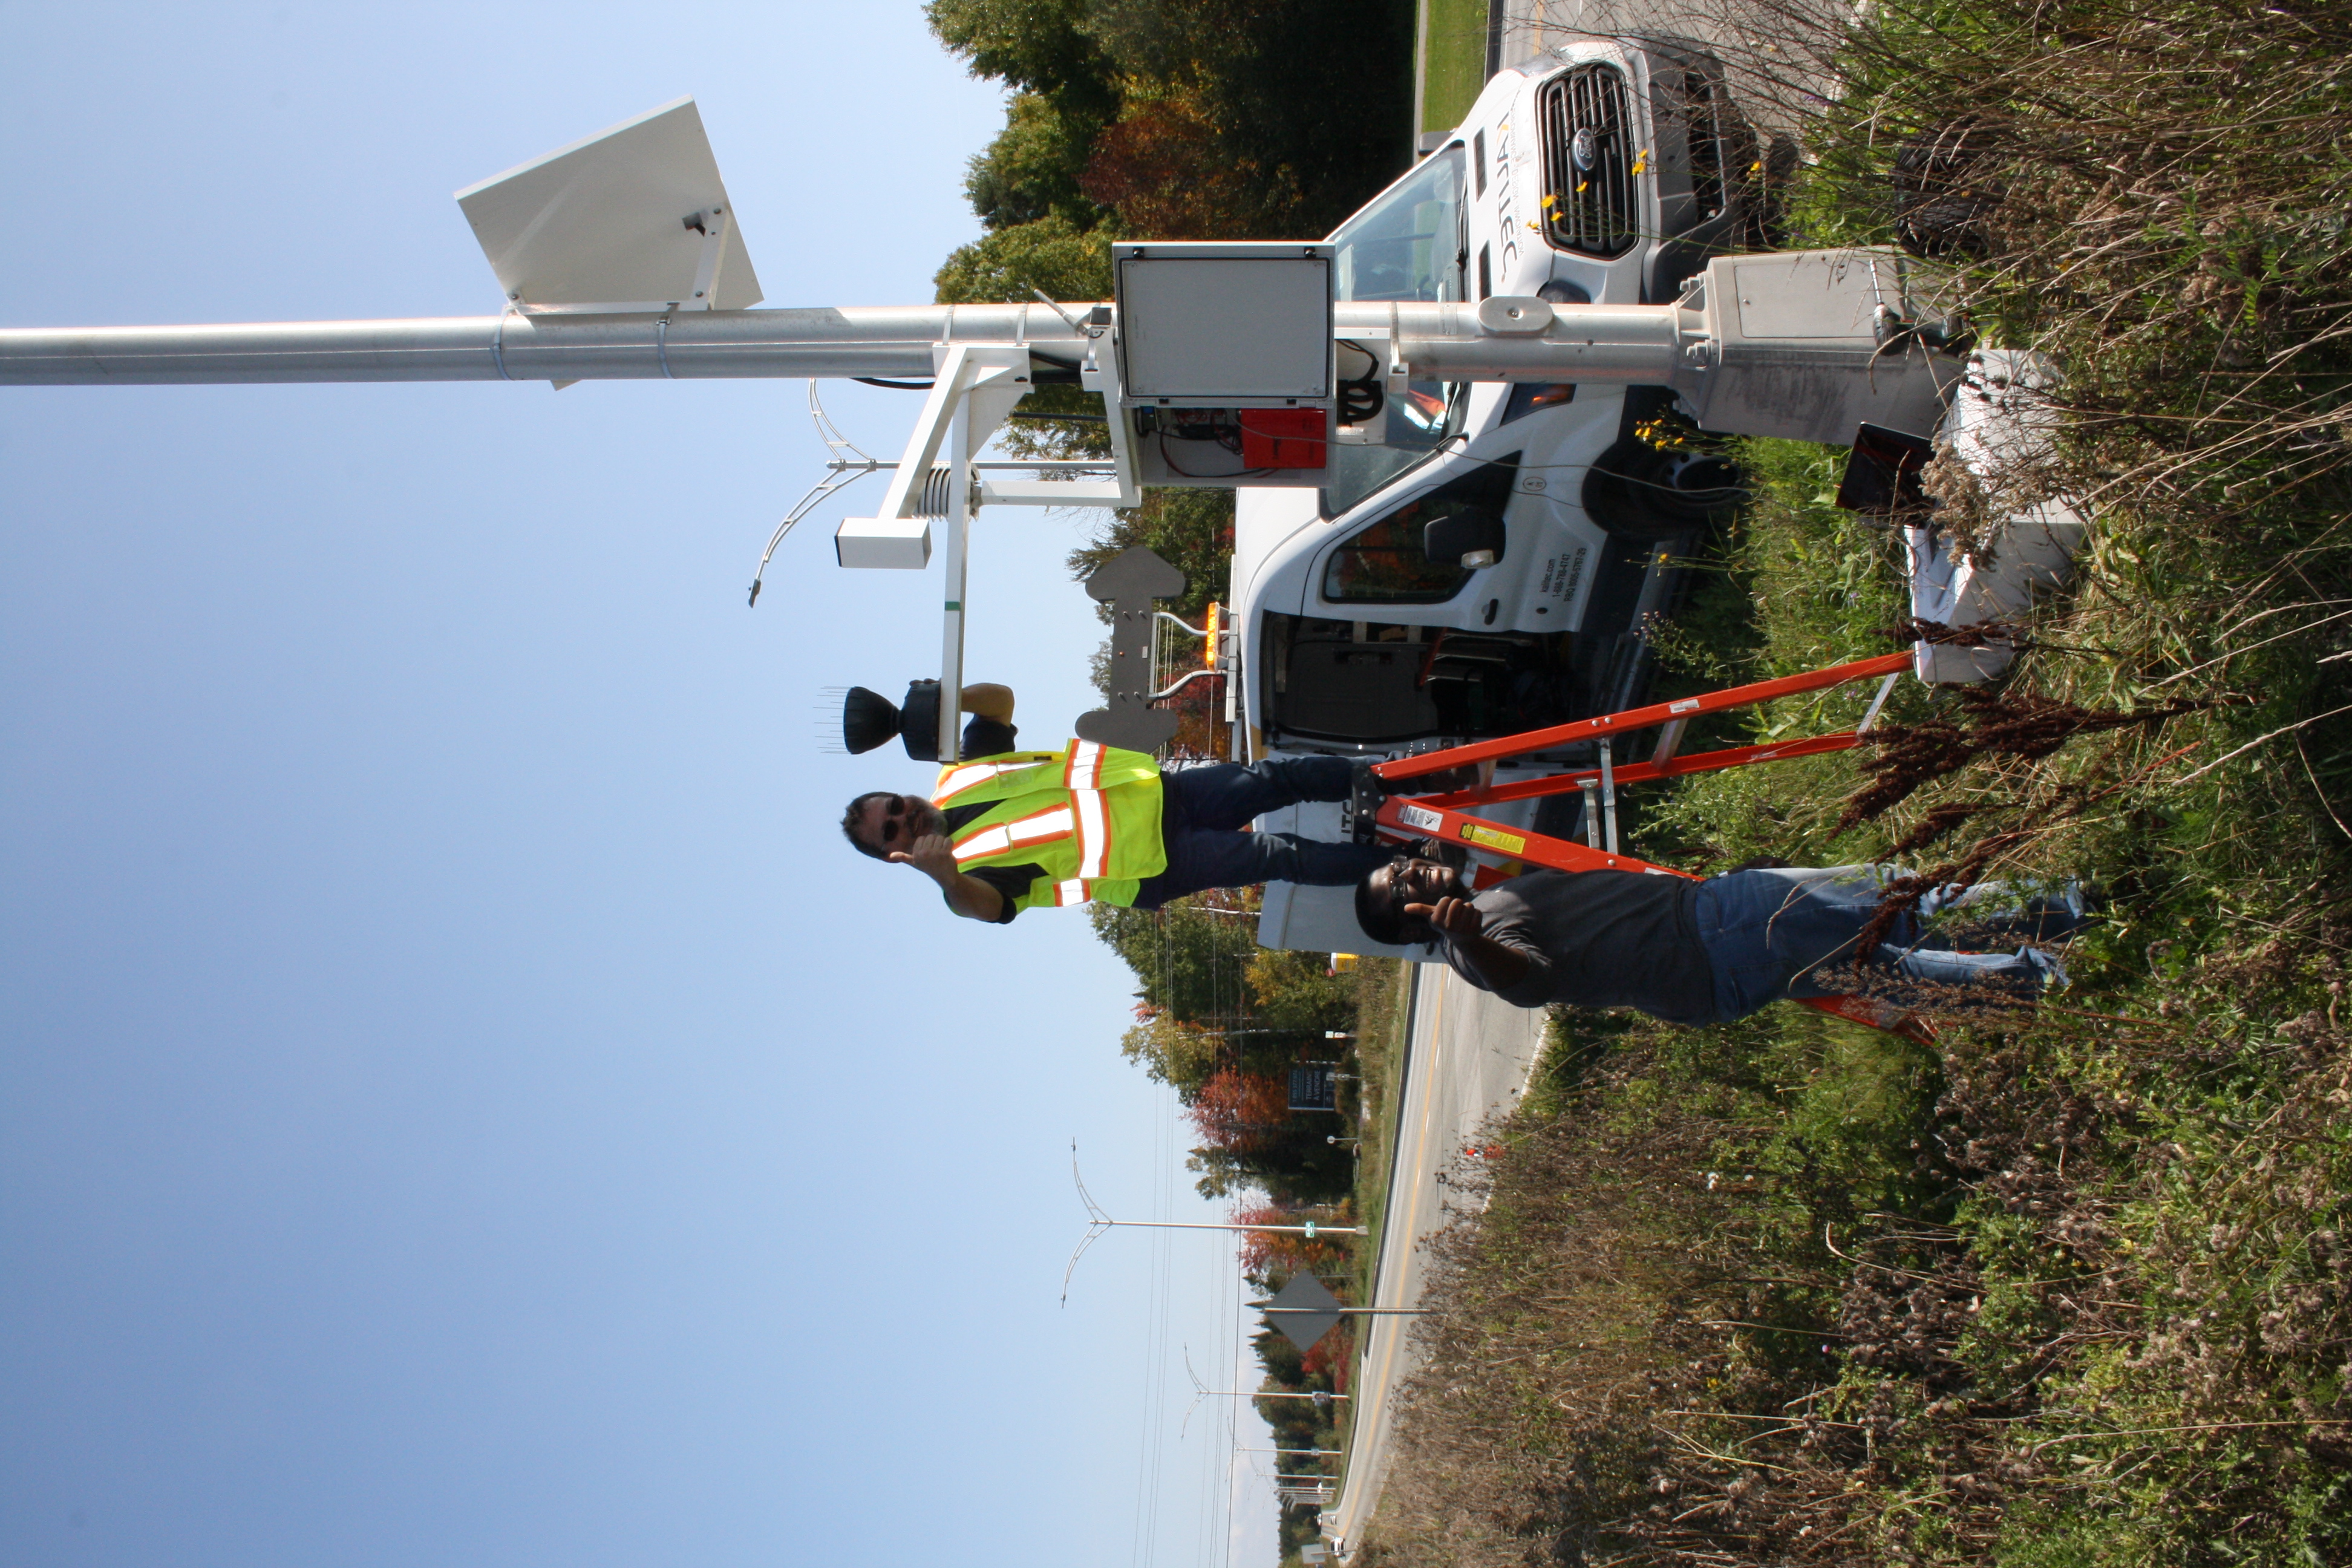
(1446, 816)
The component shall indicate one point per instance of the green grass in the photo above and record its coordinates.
(1384, 1027)
(1452, 62)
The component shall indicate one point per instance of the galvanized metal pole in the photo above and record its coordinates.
(1620, 344)
(889, 342)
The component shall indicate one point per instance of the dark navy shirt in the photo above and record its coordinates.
(985, 737)
(1599, 939)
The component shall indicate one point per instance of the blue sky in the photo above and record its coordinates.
(462, 1102)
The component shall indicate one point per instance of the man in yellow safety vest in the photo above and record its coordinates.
(1006, 830)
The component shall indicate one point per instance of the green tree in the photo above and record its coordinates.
(1297, 991)
(1149, 40)
(1054, 257)
(1222, 1172)
(1051, 253)
(1031, 169)
(1191, 530)
(1036, 45)
(1188, 962)
(1315, 93)
(1172, 1051)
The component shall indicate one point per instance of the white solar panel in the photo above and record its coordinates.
(610, 221)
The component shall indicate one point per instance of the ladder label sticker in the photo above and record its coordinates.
(1494, 838)
(1421, 817)
(1687, 705)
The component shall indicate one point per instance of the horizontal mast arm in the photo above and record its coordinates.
(885, 341)
(1592, 344)
(1616, 344)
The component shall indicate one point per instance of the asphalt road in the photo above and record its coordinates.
(1468, 1056)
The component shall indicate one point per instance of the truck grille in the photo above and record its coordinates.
(1592, 210)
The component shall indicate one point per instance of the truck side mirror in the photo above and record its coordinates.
(1470, 538)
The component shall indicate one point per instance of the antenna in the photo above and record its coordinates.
(1097, 1224)
(1200, 1391)
(1055, 306)
(842, 473)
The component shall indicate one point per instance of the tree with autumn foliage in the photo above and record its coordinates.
(1251, 1138)
(1169, 1049)
(1240, 1110)
(1270, 1257)
(1201, 1021)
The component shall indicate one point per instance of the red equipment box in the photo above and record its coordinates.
(1282, 438)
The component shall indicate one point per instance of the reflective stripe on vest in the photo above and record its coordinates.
(1039, 827)
(1075, 892)
(1091, 820)
(970, 776)
(1094, 831)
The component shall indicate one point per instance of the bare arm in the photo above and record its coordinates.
(1462, 924)
(988, 700)
(967, 896)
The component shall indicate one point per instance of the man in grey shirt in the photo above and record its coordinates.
(1709, 952)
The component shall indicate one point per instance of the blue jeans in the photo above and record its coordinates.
(1769, 934)
(1204, 809)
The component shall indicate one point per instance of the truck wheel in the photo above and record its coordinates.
(1636, 491)
(1767, 193)
(1942, 192)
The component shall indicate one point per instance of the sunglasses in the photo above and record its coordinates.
(891, 812)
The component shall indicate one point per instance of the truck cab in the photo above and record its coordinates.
(1488, 564)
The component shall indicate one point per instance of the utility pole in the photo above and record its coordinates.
(1322, 1399)
(1099, 1223)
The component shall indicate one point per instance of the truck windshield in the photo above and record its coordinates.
(1407, 245)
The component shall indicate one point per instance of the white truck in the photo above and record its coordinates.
(1606, 173)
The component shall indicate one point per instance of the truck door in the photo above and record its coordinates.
(1384, 563)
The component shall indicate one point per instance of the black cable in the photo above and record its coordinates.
(1362, 397)
(1181, 472)
(896, 385)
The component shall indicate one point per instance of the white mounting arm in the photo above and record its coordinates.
(712, 222)
(973, 387)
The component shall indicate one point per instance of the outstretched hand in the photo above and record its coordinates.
(1454, 917)
(931, 855)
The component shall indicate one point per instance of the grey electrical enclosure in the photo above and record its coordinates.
(1809, 346)
(1223, 325)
